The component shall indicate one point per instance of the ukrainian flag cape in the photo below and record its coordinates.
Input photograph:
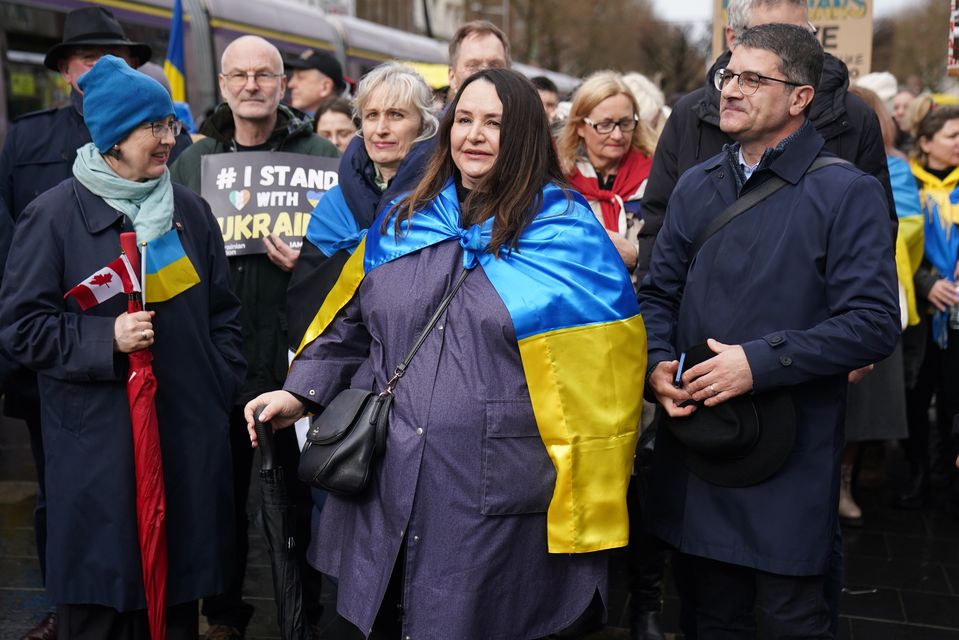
(332, 226)
(580, 337)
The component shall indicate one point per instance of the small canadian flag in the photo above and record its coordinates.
(115, 278)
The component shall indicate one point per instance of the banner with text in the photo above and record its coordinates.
(844, 27)
(256, 193)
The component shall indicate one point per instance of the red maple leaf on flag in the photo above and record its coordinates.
(101, 279)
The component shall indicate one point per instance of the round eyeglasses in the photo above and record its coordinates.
(626, 125)
(749, 81)
(160, 129)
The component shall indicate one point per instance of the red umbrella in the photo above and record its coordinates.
(148, 461)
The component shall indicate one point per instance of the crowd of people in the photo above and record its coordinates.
(669, 330)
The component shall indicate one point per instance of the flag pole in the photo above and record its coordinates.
(143, 275)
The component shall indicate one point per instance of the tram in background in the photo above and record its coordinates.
(28, 28)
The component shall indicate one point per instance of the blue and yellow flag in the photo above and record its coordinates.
(580, 337)
(332, 226)
(167, 269)
(173, 66)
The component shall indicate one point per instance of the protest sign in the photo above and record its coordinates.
(256, 193)
(844, 27)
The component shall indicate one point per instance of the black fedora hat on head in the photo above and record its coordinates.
(93, 26)
(741, 442)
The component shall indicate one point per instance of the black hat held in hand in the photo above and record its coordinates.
(741, 442)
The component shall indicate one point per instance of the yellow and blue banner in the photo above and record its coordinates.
(580, 337)
(173, 66)
(167, 269)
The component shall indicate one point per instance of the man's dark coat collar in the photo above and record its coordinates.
(792, 163)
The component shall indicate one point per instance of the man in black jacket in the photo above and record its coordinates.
(692, 133)
(251, 118)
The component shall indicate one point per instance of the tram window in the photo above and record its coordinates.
(30, 85)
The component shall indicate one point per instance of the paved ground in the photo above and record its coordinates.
(902, 568)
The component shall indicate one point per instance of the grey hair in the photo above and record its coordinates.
(740, 12)
(402, 86)
(799, 52)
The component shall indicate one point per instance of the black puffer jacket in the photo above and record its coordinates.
(692, 135)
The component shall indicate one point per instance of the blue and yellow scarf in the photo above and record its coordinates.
(580, 337)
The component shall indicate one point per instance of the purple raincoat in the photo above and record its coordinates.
(465, 480)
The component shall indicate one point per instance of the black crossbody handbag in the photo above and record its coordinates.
(350, 434)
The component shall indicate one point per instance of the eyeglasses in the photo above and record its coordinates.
(160, 129)
(749, 81)
(264, 79)
(626, 125)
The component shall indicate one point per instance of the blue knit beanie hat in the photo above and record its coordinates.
(118, 99)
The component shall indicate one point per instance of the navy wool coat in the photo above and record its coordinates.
(93, 556)
(38, 154)
(805, 281)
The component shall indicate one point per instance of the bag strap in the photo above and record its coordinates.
(752, 198)
(444, 303)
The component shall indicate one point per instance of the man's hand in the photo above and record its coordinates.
(661, 382)
(724, 376)
(280, 253)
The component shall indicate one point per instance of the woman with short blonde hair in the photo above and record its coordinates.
(606, 151)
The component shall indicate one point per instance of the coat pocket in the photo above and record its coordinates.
(65, 405)
(518, 476)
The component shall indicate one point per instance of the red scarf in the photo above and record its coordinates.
(633, 170)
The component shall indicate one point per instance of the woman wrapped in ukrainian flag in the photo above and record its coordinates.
(512, 434)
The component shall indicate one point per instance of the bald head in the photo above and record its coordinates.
(246, 47)
(252, 80)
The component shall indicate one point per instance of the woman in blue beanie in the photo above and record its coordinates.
(79, 347)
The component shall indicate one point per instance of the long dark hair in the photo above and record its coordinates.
(511, 192)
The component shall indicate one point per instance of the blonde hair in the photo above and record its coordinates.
(596, 88)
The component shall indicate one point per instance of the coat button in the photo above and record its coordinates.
(419, 431)
(785, 361)
(312, 392)
(776, 340)
(721, 175)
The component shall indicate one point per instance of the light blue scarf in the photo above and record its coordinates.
(148, 204)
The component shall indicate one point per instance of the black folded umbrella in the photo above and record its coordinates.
(278, 517)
